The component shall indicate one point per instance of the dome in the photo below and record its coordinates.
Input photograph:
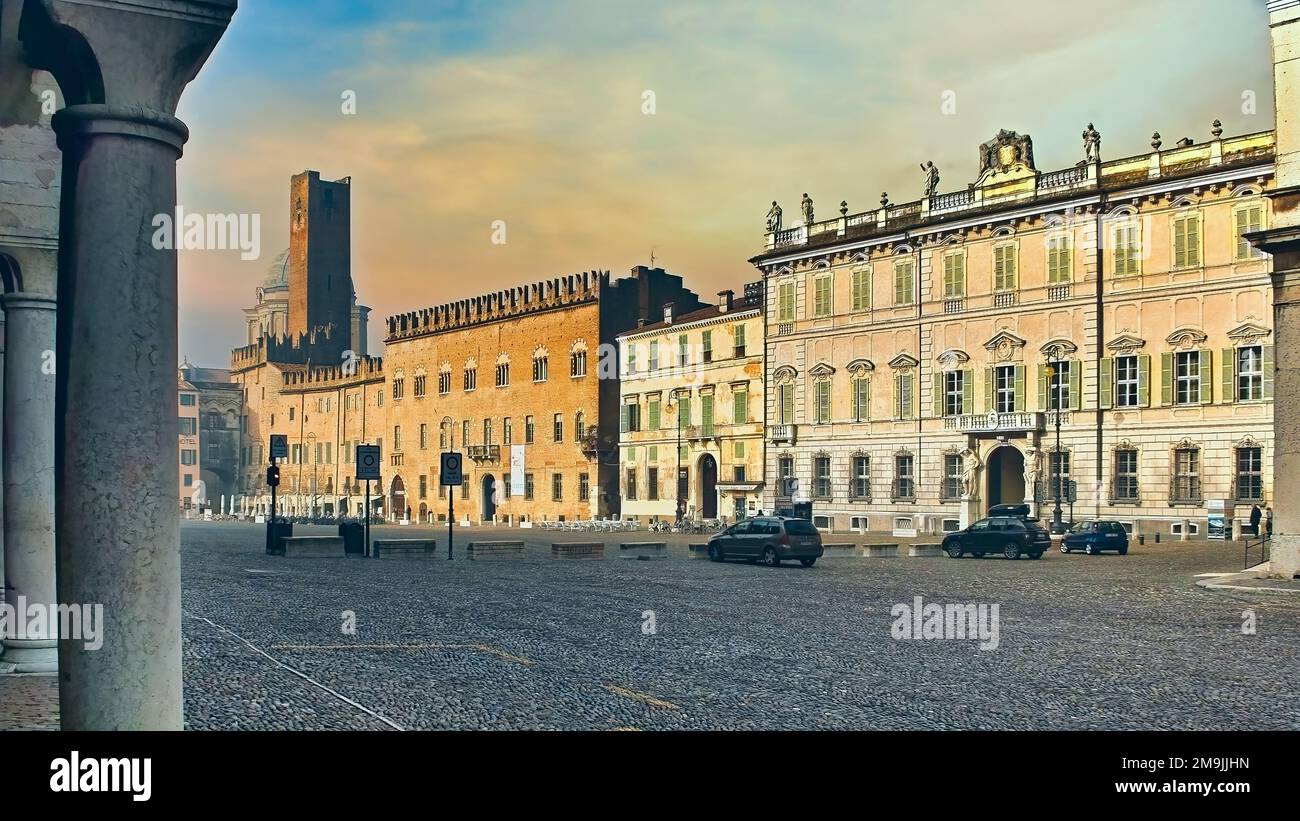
(277, 276)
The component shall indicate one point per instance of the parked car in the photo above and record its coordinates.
(1011, 536)
(769, 539)
(1094, 537)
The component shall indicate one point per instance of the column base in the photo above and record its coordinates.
(30, 656)
(1284, 557)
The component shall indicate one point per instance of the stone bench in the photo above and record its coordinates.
(404, 548)
(312, 547)
(495, 550)
(839, 550)
(926, 550)
(697, 551)
(643, 550)
(577, 550)
(879, 551)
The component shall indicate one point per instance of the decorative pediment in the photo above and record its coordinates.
(785, 373)
(503, 359)
(904, 362)
(1007, 156)
(1126, 344)
(821, 369)
(1186, 444)
(1248, 333)
(860, 367)
(952, 358)
(1186, 337)
(1004, 345)
(1247, 441)
(1059, 349)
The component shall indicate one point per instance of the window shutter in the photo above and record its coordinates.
(1207, 376)
(1228, 375)
(622, 419)
(1144, 380)
(1042, 387)
(938, 394)
(1076, 383)
(1106, 387)
(1267, 363)
(898, 396)
(968, 391)
(1180, 243)
(990, 377)
(1020, 387)
(1194, 241)
(1167, 378)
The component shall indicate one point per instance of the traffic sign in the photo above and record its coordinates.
(450, 473)
(279, 446)
(367, 462)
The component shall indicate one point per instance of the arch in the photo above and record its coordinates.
(1005, 475)
(397, 499)
(785, 373)
(488, 499)
(11, 274)
(708, 487)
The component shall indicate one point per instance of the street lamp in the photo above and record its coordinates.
(311, 449)
(674, 402)
(1054, 374)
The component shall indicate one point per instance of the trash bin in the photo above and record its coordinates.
(281, 530)
(354, 538)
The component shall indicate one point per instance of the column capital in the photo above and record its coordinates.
(22, 299)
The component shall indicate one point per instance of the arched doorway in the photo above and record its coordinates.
(489, 506)
(397, 498)
(708, 487)
(1005, 475)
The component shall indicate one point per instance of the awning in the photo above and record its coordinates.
(739, 487)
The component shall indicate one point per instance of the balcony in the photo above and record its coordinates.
(1056, 293)
(484, 453)
(994, 422)
(1004, 299)
(954, 305)
(780, 433)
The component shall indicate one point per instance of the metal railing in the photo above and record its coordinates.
(1259, 544)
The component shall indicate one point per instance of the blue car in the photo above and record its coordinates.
(1094, 537)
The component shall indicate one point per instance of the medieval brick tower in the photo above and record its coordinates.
(320, 253)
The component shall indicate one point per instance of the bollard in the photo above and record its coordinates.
(1157, 537)
(1142, 539)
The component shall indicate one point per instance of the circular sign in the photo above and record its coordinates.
(369, 460)
(451, 462)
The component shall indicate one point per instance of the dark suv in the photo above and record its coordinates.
(770, 539)
(1009, 535)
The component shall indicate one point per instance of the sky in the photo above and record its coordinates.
(534, 113)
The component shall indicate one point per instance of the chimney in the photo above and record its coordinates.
(724, 301)
(668, 313)
(641, 322)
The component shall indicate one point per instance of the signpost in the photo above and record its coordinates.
(279, 450)
(368, 469)
(450, 475)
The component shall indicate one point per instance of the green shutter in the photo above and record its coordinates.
(1205, 369)
(1167, 378)
(622, 418)
(1228, 375)
(1042, 387)
(1106, 382)
(1267, 362)
(1020, 388)
(706, 413)
(898, 396)
(968, 391)
(1144, 380)
(938, 394)
(683, 413)
(990, 376)
(1076, 383)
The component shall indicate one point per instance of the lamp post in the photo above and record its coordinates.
(311, 450)
(674, 402)
(1054, 374)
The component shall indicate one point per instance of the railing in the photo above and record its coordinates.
(1056, 293)
(1004, 299)
(395, 459)
(490, 453)
(1260, 543)
(973, 422)
(1184, 491)
(1050, 419)
(789, 236)
(780, 433)
(784, 328)
(954, 305)
(903, 490)
(1068, 176)
(953, 200)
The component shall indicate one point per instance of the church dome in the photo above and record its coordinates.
(277, 276)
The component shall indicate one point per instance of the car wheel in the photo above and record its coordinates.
(807, 562)
(770, 558)
(1036, 555)
(1064, 549)
(1091, 550)
(1011, 550)
(953, 549)
(1123, 551)
(715, 555)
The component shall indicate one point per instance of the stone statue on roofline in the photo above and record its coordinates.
(1091, 144)
(807, 206)
(774, 218)
(931, 178)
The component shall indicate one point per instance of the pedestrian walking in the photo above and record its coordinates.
(1255, 516)
(1268, 521)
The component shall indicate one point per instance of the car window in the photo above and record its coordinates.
(773, 528)
(982, 524)
(740, 529)
(799, 527)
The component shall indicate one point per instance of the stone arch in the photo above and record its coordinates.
(11, 274)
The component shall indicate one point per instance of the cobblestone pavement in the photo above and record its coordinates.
(1085, 642)
(29, 702)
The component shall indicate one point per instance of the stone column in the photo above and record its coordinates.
(29, 477)
(3, 583)
(122, 67)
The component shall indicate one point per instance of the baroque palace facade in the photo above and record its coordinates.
(920, 356)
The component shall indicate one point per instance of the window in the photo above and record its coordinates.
(557, 487)
(528, 487)
(952, 467)
(861, 477)
(444, 382)
(189, 457)
(822, 401)
(683, 351)
(652, 484)
(630, 365)
(1004, 267)
(737, 473)
(708, 346)
(1250, 373)
(444, 431)
(903, 402)
(424, 436)
(1126, 381)
(424, 486)
(291, 410)
(487, 431)
(379, 402)
(903, 282)
(579, 427)
(578, 364)
(541, 369)
(1058, 386)
(1128, 249)
(557, 427)
(706, 414)
(530, 431)
(189, 480)
(1187, 378)
(507, 431)
(187, 399)
(739, 406)
(1004, 398)
(785, 302)
(503, 374)
(862, 288)
(1126, 475)
(631, 420)
(785, 403)
(861, 399)
(904, 478)
(471, 378)
(1060, 259)
(1247, 219)
(1187, 475)
(464, 433)
(419, 388)
(654, 356)
(464, 488)
(397, 437)
(684, 412)
(1058, 471)
(1187, 241)
(953, 392)
(1250, 475)
(629, 489)
(188, 425)
(584, 487)
(785, 474)
(739, 334)
(822, 477)
(954, 274)
(652, 404)
(399, 388)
